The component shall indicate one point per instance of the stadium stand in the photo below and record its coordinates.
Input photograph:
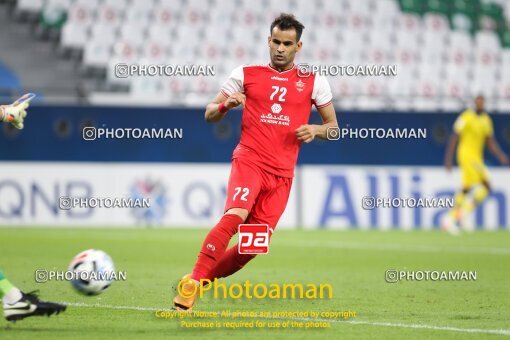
(445, 51)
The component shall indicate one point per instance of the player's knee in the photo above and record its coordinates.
(242, 213)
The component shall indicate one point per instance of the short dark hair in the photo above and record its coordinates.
(287, 21)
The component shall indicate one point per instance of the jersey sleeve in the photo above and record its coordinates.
(321, 94)
(460, 123)
(234, 83)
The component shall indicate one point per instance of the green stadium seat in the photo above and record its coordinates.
(412, 6)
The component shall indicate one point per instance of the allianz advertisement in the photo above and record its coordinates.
(193, 195)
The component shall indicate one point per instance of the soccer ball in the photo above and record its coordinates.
(93, 271)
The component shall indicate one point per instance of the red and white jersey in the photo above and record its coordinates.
(277, 103)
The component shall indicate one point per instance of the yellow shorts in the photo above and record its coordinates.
(473, 172)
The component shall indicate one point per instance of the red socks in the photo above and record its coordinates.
(229, 263)
(215, 244)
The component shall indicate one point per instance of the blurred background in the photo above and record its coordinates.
(65, 51)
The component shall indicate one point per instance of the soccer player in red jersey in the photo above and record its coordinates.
(277, 99)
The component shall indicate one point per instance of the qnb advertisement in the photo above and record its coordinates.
(193, 195)
(116, 194)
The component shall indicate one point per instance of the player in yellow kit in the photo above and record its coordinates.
(473, 129)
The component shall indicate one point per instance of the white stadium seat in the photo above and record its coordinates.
(453, 64)
(104, 33)
(29, 5)
(133, 34)
(74, 35)
(460, 48)
(96, 53)
(436, 22)
(79, 14)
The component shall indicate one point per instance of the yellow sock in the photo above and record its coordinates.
(460, 198)
(479, 195)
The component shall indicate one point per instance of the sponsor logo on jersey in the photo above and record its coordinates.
(275, 119)
(276, 108)
(279, 78)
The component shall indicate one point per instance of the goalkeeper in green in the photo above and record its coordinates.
(16, 304)
(14, 113)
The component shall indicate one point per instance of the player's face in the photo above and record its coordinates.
(283, 47)
(479, 103)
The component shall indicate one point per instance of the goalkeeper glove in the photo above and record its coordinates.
(14, 113)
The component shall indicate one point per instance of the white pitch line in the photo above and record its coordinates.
(352, 322)
(396, 247)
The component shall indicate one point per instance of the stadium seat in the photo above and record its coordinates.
(175, 4)
(432, 51)
(409, 22)
(80, 14)
(116, 4)
(307, 11)
(189, 35)
(379, 49)
(456, 81)
(138, 16)
(346, 90)
(109, 13)
(74, 35)
(96, 54)
(105, 33)
(182, 52)
(331, 14)
(33, 6)
(162, 33)
(150, 88)
(126, 51)
(503, 92)
(464, 15)
(352, 47)
(487, 47)
(484, 81)
(156, 51)
(410, 33)
(460, 47)
(212, 52)
(86, 3)
(436, 22)
(194, 13)
(401, 88)
(165, 16)
(323, 39)
(372, 93)
(133, 34)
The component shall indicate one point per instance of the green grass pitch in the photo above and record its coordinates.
(353, 262)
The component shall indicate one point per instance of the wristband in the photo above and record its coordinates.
(222, 108)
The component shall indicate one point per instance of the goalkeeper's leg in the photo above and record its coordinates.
(18, 305)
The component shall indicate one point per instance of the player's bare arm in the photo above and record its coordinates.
(450, 151)
(214, 112)
(307, 133)
(494, 148)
